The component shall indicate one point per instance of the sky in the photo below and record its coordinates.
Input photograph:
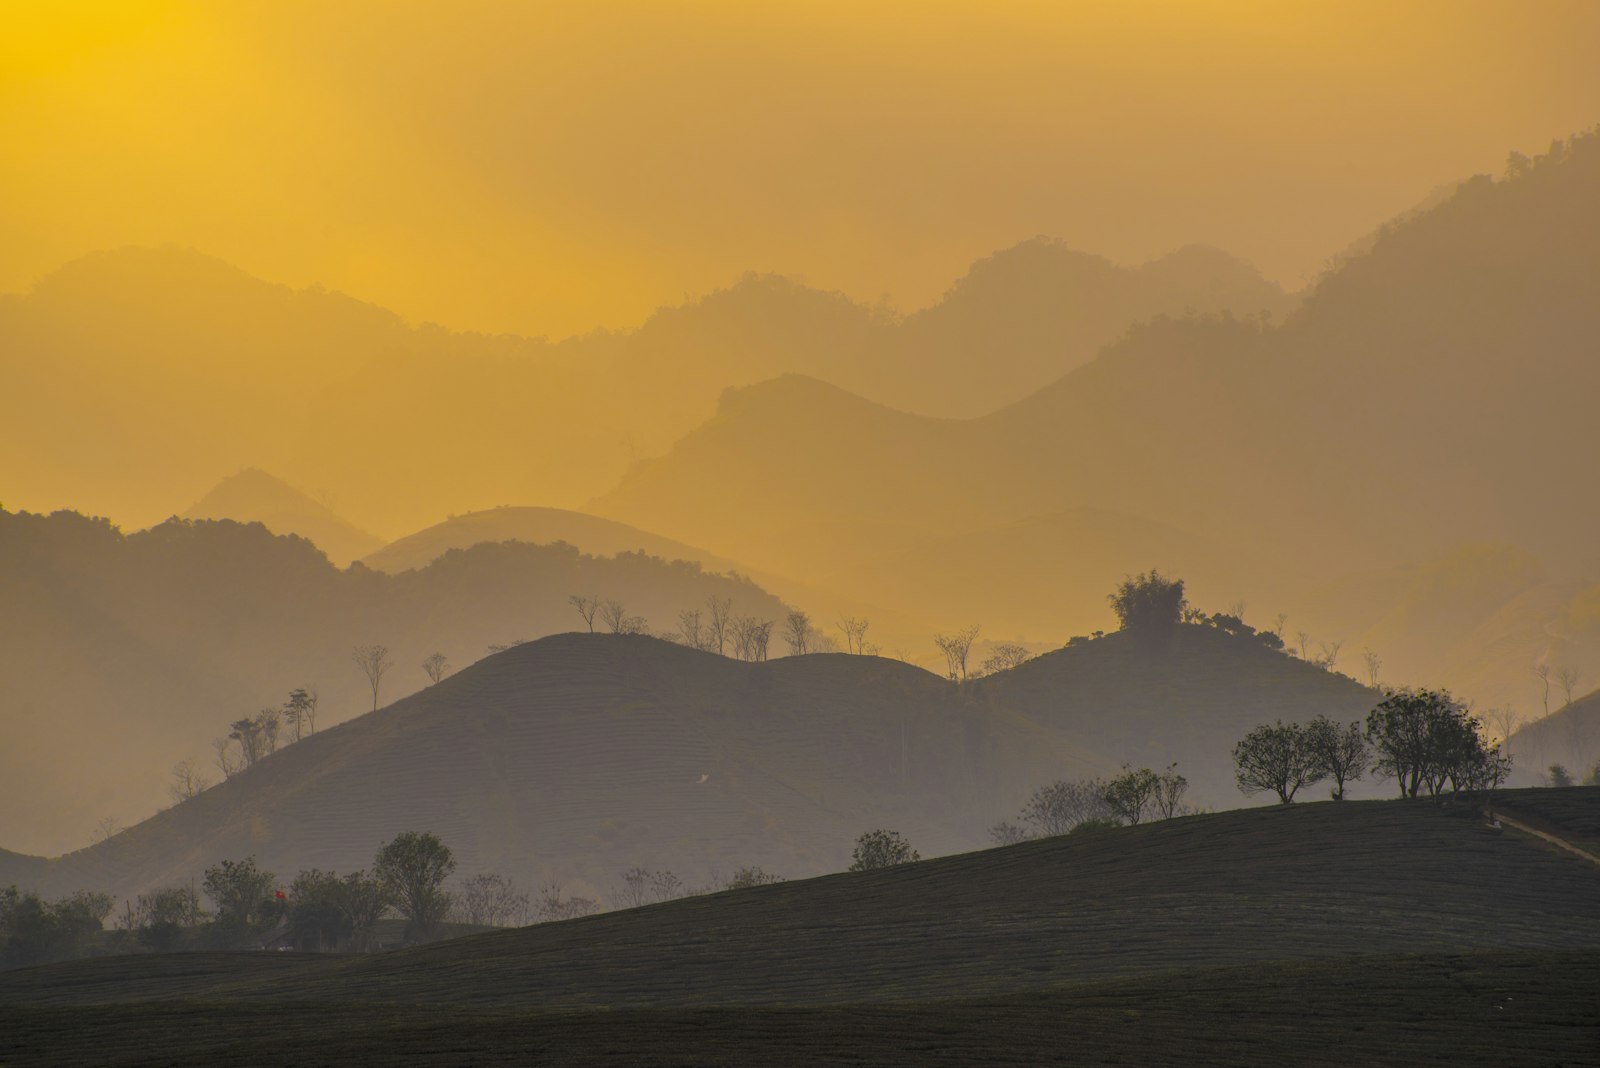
(552, 169)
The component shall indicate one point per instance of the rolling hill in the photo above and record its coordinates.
(253, 496)
(577, 757)
(125, 654)
(1377, 932)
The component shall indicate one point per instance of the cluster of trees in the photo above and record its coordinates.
(1425, 740)
(251, 739)
(35, 931)
(1131, 797)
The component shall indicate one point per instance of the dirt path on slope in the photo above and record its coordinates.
(1548, 837)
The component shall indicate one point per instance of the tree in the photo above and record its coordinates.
(106, 829)
(362, 900)
(241, 894)
(1426, 738)
(33, 931)
(226, 762)
(721, 609)
(374, 662)
(587, 607)
(745, 878)
(750, 637)
(187, 782)
(881, 849)
(1275, 757)
(1373, 664)
(689, 629)
(797, 632)
(300, 710)
(1542, 673)
(161, 919)
(1004, 657)
(1059, 807)
(956, 648)
(1339, 752)
(855, 634)
(552, 905)
(413, 867)
(1170, 788)
(1148, 602)
(1505, 722)
(614, 615)
(1568, 679)
(436, 665)
(1559, 775)
(315, 918)
(490, 900)
(1130, 793)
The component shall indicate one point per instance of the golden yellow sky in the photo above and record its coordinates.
(550, 168)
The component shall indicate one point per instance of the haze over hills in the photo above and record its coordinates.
(1327, 446)
(132, 652)
(164, 349)
(253, 496)
(576, 757)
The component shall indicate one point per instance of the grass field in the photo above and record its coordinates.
(1364, 932)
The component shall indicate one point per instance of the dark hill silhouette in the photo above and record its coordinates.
(253, 496)
(579, 756)
(124, 654)
(1268, 931)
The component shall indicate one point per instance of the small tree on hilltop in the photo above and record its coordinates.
(1149, 602)
(413, 867)
(1339, 751)
(436, 665)
(881, 849)
(1130, 794)
(374, 662)
(1275, 757)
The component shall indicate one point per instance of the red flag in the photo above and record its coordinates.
(278, 894)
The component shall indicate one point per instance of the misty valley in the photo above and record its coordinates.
(1125, 658)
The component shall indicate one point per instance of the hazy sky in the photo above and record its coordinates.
(549, 168)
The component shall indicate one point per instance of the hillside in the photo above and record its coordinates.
(1569, 736)
(1248, 937)
(576, 757)
(125, 654)
(253, 496)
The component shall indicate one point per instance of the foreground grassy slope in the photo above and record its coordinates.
(1308, 881)
(1488, 1010)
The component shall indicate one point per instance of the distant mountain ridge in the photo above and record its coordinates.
(253, 496)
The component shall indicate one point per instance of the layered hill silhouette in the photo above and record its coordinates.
(1330, 445)
(579, 756)
(1384, 933)
(130, 359)
(253, 496)
(125, 654)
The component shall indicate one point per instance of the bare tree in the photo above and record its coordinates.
(689, 628)
(1004, 657)
(797, 632)
(750, 637)
(490, 900)
(1505, 722)
(1304, 640)
(552, 905)
(1373, 663)
(1568, 678)
(587, 607)
(374, 662)
(1056, 809)
(955, 648)
(1278, 624)
(614, 615)
(1170, 786)
(720, 623)
(1330, 655)
(855, 634)
(226, 763)
(436, 665)
(106, 829)
(1236, 610)
(187, 781)
(1542, 673)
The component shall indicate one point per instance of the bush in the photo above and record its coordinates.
(882, 849)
